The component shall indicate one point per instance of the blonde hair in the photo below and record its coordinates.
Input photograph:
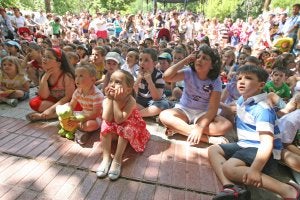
(15, 60)
(89, 67)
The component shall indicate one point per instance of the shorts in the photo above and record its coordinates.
(36, 102)
(162, 104)
(247, 155)
(192, 115)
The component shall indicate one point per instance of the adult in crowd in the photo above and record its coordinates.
(7, 30)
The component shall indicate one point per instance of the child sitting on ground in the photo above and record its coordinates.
(112, 64)
(277, 84)
(120, 117)
(90, 98)
(164, 62)
(98, 60)
(250, 160)
(150, 85)
(33, 63)
(73, 59)
(14, 85)
(195, 116)
(178, 54)
(131, 64)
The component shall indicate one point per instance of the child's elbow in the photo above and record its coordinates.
(166, 77)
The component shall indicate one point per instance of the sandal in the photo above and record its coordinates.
(217, 140)
(35, 117)
(233, 192)
(169, 132)
(297, 188)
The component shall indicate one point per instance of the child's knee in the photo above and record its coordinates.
(213, 150)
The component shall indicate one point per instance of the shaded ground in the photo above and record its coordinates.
(36, 163)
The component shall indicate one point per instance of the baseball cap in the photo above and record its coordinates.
(113, 56)
(165, 55)
(13, 43)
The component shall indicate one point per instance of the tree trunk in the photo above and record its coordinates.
(48, 6)
(154, 6)
(266, 5)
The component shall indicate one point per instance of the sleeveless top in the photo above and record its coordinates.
(57, 91)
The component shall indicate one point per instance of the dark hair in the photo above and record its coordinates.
(65, 65)
(116, 50)
(297, 5)
(168, 50)
(277, 51)
(151, 52)
(253, 59)
(101, 50)
(215, 61)
(133, 49)
(179, 50)
(247, 47)
(34, 46)
(261, 74)
(280, 69)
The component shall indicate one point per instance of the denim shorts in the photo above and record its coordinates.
(247, 155)
(25, 96)
(162, 104)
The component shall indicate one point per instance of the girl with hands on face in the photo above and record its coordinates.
(195, 115)
(121, 118)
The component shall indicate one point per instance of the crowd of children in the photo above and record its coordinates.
(194, 89)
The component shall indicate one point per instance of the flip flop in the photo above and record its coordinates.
(30, 117)
(233, 192)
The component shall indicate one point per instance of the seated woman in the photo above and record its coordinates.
(196, 113)
(55, 88)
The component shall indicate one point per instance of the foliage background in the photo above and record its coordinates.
(211, 8)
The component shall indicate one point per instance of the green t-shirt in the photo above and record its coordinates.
(55, 27)
(283, 91)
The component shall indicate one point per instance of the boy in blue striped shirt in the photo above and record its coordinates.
(250, 160)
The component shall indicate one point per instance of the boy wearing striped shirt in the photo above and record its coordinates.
(250, 160)
(90, 98)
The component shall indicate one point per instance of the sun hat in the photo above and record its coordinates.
(113, 56)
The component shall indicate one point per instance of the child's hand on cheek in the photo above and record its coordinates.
(119, 94)
(108, 92)
(48, 73)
